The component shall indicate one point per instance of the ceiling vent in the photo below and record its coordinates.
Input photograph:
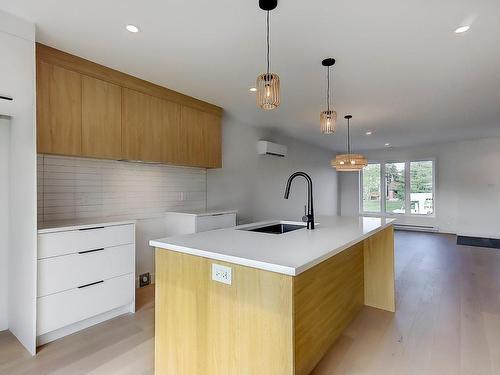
(270, 148)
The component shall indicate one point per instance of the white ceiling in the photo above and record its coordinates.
(401, 71)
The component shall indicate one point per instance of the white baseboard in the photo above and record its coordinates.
(68, 330)
(416, 228)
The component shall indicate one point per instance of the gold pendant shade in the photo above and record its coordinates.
(349, 162)
(268, 91)
(328, 122)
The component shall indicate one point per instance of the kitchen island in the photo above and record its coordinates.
(280, 302)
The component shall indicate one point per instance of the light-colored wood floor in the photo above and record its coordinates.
(447, 322)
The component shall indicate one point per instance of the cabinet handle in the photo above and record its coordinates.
(6, 97)
(94, 283)
(217, 214)
(91, 228)
(90, 251)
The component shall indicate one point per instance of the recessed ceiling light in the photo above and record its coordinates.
(369, 132)
(252, 89)
(387, 145)
(462, 29)
(132, 28)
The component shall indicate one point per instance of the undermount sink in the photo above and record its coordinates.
(276, 228)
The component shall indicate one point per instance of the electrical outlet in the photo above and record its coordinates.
(222, 274)
(144, 279)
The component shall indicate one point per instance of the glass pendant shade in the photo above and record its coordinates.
(328, 122)
(349, 162)
(268, 91)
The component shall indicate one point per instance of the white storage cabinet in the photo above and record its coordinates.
(85, 276)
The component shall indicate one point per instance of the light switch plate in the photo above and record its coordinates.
(221, 273)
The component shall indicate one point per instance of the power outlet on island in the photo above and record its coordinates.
(222, 274)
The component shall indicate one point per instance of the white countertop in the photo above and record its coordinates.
(203, 212)
(75, 224)
(290, 253)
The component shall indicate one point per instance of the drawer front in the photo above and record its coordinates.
(70, 271)
(70, 242)
(65, 308)
(205, 223)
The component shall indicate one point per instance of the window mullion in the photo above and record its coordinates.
(382, 188)
(407, 188)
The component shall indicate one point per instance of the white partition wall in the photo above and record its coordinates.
(17, 80)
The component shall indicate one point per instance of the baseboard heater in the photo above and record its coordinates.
(416, 228)
(478, 242)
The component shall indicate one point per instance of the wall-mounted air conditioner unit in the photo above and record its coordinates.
(270, 148)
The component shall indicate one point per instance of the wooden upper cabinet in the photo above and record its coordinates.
(213, 137)
(101, 119)
(200, 138)
(86, 109)
(171, 124)
(59, 110)
(142, 136)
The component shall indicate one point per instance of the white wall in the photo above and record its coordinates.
(254, 184)
(4, 219)
(467, 185)
(79, 188)
(17, 79)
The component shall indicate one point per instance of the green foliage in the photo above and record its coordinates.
(421, 176)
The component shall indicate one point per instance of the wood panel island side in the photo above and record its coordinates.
(291, 295)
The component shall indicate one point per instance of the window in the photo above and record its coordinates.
(421, 187)
(371, 188)
(407, 188)
(395, 194)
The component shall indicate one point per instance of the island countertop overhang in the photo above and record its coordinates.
(290, 253)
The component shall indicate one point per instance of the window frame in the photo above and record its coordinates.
(407, 212)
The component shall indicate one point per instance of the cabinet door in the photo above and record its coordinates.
(213, 138)
(200, 138)
(142, 127)
(101, 119)
(171, 125)
(59, 110)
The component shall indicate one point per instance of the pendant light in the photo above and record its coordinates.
(328, 118)
(349, 162)
(268, 84)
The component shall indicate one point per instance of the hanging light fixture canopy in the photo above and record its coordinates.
(268, 84)
(349, 162)
(328, 118)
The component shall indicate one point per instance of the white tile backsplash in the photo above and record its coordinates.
(74, 188)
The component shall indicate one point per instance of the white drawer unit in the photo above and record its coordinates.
(73, 241)
(85, 275)
(62, 309)
(65, 272)
(215, 221)
(178, 223)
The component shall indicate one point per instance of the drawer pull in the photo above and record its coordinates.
(217, 214)
(91, 228)
(94, 283)
(90, 251)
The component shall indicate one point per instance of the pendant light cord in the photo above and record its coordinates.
(268, 43)
(348, 138)
(328, 89)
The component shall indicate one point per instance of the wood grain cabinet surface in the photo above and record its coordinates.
(101, 119)
(59, 110)
(86, 109)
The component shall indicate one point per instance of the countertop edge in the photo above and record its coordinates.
(290, 271)
(201, 214)
(69, 227)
